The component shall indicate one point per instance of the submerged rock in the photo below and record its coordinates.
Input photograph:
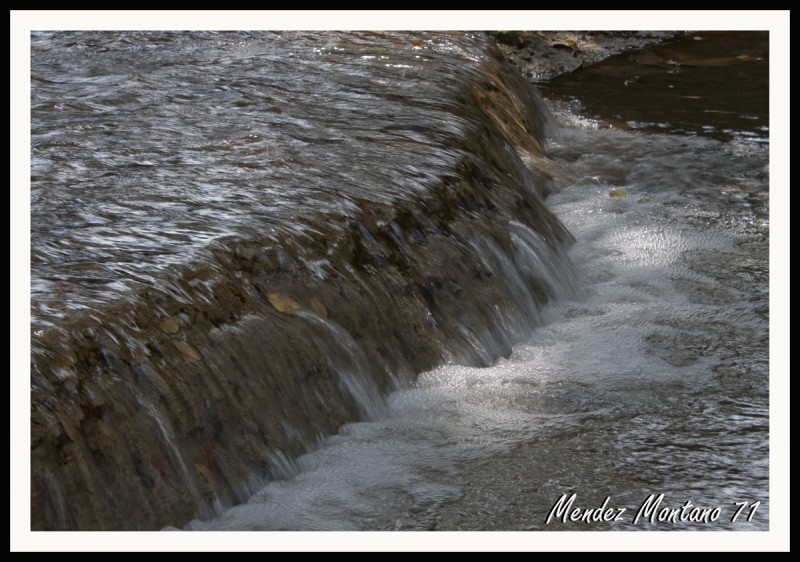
(282, 303)
(318, 307)
(187, 351)
(170, 326)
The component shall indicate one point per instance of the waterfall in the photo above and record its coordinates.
(182, 394)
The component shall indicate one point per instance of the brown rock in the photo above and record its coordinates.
(189, 353)
(318, 307)
(282, 303)
(170, 326)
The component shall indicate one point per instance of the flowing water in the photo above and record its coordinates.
(632, 362)
(286, 124)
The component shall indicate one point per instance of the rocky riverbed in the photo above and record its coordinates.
(541, 55)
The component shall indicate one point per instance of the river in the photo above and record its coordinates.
(654, 382)
(281, 194)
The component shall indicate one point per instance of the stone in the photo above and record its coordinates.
(65, 360)
(318, 308)
(189, 353)
(170, 326)
(206, 473)
(282, 303)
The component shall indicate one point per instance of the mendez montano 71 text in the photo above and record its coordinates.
(652, 510)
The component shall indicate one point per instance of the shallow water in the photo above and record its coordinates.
(148, 147)
(654, 381)
(710, 83)
(647, 374)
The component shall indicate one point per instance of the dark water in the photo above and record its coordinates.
(149, 147)
(710, 83)
(649, 377)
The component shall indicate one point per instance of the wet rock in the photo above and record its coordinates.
(206, 473)
(65, 360)
(516, 39)
(69, 428)
(172, 309)
(541, 55)
(282, 303)
(187, 351)
(318, 307)
(170, 326)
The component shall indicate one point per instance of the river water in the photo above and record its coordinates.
(654, 381)
(648, 371)
(288, 123)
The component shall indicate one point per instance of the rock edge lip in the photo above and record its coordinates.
(543, 55)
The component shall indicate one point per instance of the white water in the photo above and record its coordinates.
(655, 381)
